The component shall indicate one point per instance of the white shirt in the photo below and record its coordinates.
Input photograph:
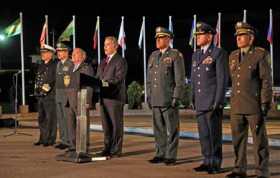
(110, 57)
(204, 48)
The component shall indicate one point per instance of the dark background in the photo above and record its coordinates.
(110, 18)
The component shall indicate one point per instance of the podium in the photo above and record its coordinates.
(81, 154)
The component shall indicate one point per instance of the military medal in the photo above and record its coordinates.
(167, 60)
(208, 60)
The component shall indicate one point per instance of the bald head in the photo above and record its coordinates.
(78, 55)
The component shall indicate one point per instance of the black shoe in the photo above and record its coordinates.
(261, 177)
(37, 143)
(157, 160)
(61, 146)
(236, 175)
(214, 170)
(170, 162)
(103, 153)
(45, 144)
(115, 155)
(202, 168)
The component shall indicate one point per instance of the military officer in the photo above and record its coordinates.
(250, 100)
(45, 91)
(165, 86)
(209, 81)
(63, 80)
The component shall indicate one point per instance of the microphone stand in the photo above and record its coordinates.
(16, 109)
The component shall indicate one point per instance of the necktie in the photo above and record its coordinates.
(159, 56)
(242, 56)
(107, 59)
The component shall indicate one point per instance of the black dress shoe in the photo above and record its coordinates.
(236, 175)
(214, 170)
(103, 153)
(37, 143)
(61, 146)
(115, 155)
(157, 160)
(170, 162)
(202, 168)
(46, 144)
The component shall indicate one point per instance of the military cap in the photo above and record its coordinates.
(244, 28)
(161, 32)
(62, 46)
(46, 47)
(203, 28)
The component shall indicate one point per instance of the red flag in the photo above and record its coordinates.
(43, 35)
(95, 36)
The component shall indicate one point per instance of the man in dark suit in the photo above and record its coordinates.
(45, 91)
(165, 86)
(63, 81)
(80, 67)
(251, 96)
(112, 72)
(209, 79)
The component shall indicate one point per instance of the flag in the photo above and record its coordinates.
(170, 29)
(141, 34)
(191, 41)
(43, 35)
(95, 36)
(218, 32)
(65, 36)
(13, 29)
(269, 33)
(121, 39)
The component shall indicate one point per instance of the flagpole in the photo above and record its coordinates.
(22, 59)
(170, 29)
(123, 32)
(219, 35)
(194, 37)
(74, 31)
(144, 57)
(98, 40)
(47, 29)
(244, 15)
(53, 38)
(271, 44)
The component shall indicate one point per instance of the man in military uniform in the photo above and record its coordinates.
(165, 86)
(45, 91)
(80, 67)
(209, 79)
(63, 80)
(250, 100)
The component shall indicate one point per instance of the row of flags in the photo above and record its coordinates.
(15, 28)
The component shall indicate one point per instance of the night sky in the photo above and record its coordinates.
(60, 17)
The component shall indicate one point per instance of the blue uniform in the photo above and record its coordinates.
(209, 81)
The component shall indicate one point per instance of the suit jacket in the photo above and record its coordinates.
(251, 81)
(166, 77)
(114, 73)
(75, 85)
(209, 81)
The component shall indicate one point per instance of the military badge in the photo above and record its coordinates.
(208, 60)
(66, 80)
(46, 87)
